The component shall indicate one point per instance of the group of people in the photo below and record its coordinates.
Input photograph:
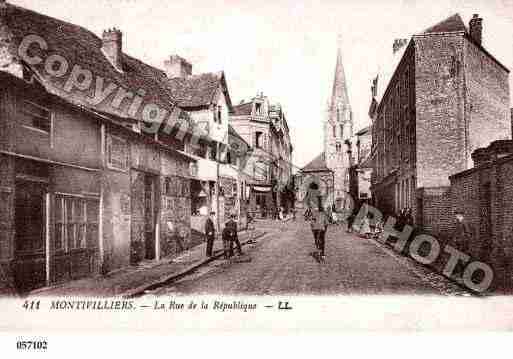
(276, 213)
(229, 236)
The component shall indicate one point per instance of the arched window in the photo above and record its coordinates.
(334, 128)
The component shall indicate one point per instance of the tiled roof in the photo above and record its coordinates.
(80, 46)
(196, 91)
(317, 164)
(243, 109)
(451, 24)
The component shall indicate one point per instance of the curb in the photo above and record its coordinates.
(136, 292)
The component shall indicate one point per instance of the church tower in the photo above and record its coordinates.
(338, 127)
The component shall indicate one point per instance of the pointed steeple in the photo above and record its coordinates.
(339, 98)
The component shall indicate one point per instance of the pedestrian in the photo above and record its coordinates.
(365, 230)
(350, 220)
(319, 225)
(230, 236)
(210, 232)
(462, 237)
(409, 217)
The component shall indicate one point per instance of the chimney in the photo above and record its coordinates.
(113, 47)
(177, 66)
(476, 29)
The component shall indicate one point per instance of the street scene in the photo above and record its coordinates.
(281, 264)
(157, 159)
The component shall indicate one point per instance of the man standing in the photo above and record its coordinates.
(230, 237)
(210, 233)
(462, 237)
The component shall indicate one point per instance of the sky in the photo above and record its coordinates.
(283, 48)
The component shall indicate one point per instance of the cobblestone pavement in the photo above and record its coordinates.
(280, 263)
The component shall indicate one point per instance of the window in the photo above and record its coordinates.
(258, 140)
(258, 109)
(341, 131)
(167, 186)
(334, 130)
(338, 147)
(219, 114)
(37, 116)
(117, 153)
(76, 223)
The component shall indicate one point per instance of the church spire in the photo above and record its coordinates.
(339, 97)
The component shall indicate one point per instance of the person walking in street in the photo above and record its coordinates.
(319, 225)
(210, 233)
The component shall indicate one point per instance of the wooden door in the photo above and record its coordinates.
(30, 267)
(149, 216)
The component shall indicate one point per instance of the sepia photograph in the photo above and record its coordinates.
(232, 161)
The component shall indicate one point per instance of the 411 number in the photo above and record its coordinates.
(31, 305)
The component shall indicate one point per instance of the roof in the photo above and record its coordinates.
(317, 164)
(243, 109)
(234, 133)
(451, 24)
(197, 91)
(80, 46)
(390, 62)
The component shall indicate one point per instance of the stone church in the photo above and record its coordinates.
(330, 169)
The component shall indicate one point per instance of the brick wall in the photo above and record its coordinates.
(435, 212)
(487, 99)
(440, 129)
(485, 195)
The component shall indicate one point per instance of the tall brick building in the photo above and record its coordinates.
(444, 97)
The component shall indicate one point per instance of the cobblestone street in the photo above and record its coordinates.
(280, 263)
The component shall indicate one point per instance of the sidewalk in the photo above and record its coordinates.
(133, 281)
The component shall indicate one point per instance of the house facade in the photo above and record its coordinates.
(87, 186)
(443, 97)
(269, 172)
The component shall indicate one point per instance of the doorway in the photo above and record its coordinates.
(30, 219)
(150, 215)
(144, 214)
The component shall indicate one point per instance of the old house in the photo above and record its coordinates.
(92, 173)
(361, 167)
(206, 99)
(443, 96)
(264, 126)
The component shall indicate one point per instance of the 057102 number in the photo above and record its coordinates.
(31, 345)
